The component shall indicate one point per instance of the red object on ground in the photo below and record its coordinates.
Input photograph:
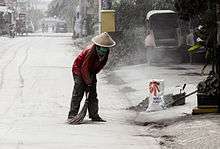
(154, 88)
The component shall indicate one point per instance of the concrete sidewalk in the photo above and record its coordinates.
(35, 90)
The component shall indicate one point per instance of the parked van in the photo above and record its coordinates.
(61, 27)
(163, 37)
(29, 27)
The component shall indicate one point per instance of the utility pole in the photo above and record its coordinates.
(100, 9)
(82, 17)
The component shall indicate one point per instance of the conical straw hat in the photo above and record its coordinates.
(103, 40)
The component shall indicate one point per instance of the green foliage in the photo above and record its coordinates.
(190, 8)
(130, 23)
(163, 4)
(201, 10)
(205, 12)
(131, 13)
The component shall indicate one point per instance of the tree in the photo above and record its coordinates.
(64, 9)
(206, 12)
(131, 28)
(131, 13)
(35, 15)
(163, 4)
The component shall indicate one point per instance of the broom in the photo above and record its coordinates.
(180, 98)
(81, 115)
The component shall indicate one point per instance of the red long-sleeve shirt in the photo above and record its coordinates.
(88, 64)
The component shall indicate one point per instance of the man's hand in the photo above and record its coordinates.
(88, 88)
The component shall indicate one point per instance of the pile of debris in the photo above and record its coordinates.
(170, 100)
(210, 86)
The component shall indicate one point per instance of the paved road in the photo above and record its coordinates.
(35, 91)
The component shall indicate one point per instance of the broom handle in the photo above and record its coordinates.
(183, 97)
(189, 94)
(87, 97)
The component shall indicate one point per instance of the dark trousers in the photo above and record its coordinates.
(77, 95)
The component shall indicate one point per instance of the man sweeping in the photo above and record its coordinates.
(85, 67)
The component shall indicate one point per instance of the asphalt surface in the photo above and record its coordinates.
(35, 90)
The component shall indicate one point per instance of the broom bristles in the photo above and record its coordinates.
(79, 117)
